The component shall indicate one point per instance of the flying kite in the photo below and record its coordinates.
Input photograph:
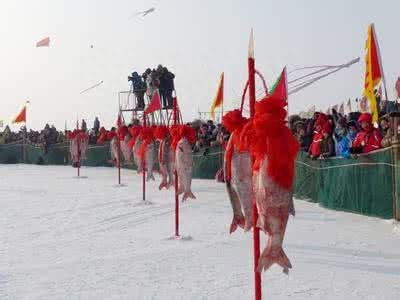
(43, 43)
(92, 87)
(143, 13)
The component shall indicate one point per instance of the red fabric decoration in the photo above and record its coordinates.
(111, 135)
(134, 131)
(122, 132)
(269, 136)
(147, 137)
(160, 132)
(322, 118)
(178, 132)
(102, 136)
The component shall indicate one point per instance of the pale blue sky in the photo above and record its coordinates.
(197, 40)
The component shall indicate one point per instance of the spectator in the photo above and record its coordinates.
(315, 150)
(369, 138)
(353, 130)
(342, 141)
(303, 138)
(139, 88)
(386, 131)
(96, 125)
(83, 125)
(327, 147)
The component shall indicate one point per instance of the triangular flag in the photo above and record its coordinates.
(348, 106)
(43, 43)
(154, 105)
(341, 109)
(219, 97)
(21, 116)
(279, 89)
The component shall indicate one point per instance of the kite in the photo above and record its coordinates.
(143, 13)
(43, 43)
(92, 87)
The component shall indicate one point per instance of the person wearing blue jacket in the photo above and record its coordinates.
(342, 141)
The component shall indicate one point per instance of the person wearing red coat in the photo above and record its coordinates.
(369, 138)
(315, 149)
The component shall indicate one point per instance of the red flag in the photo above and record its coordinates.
(119, 121)
(154, 105)
(21, 116)
(43, 43)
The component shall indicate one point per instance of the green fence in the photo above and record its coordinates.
(367, 185)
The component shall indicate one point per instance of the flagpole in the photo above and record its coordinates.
(380, 60)
(256, 230)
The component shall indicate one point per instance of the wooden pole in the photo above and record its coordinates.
(256, 230)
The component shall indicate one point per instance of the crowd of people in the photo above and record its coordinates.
(329, 135)
(151, 80)
(321, 136)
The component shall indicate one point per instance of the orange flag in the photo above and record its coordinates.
(21, 116)
(43, 43)
(219, 97)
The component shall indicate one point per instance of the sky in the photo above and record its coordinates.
(196, 40)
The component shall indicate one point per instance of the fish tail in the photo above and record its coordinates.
(237, 221)
(187, 195)
(150, 176)
(163, 184)
(270, 257)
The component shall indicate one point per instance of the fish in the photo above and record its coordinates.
(150, 160)
(126, 152)
(273, 205)
(239, 187)
(184, 168)
(136, 154)
(167, 164)
(114, 150)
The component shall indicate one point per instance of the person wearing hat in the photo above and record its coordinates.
(342, 140)
(369, 138)
(315, 150)
(352, 129)
(327, 145)
(301, 135)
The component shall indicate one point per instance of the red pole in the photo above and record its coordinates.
(176, 177)
(79, 150)
(256, 230)
(119, 149)
(144, 164)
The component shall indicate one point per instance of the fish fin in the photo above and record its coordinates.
(267, 259)
(187, 195)
(236, 221)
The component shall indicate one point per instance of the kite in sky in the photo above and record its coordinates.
(92, 87)
(43, 43)
(143, 13)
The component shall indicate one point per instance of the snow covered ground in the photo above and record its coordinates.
(64, 237)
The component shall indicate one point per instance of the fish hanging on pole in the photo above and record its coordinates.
(92, 87)
(143, 13)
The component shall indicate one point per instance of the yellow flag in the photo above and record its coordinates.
(219, 97)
